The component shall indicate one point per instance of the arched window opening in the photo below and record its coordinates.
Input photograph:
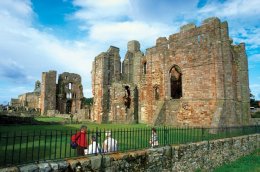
(176, 82)
(70, 86)
(68, 96)
(199, 38)
(127, 99)
(156, 93)
(136, 103)
(68, 106)
(144, 67)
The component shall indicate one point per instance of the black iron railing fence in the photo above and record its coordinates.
(24, 147)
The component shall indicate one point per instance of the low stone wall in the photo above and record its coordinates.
(255, 121)
(205, 155)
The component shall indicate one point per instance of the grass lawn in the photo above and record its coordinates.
(30, 143)
(250, 163)
(50, 119)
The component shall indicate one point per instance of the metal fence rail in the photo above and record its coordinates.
(24, 147)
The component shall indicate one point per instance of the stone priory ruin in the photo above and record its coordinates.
(196, 77)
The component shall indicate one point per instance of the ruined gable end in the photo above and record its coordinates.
(196, 77)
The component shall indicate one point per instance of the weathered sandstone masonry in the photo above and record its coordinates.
(30, 100)
(51, 98)
(196, 77)
(48, 91)
(64, 97)
(205, 155)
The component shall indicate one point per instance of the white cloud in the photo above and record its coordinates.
(19, 8)
(115, 22)
(120, 33)
(163, 11)
(26, 52)
(248, 34)
(110, 22)
(232, 8)
(92, 11)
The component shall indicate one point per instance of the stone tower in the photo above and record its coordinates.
(195, 77)
(106, 69)
(48, 92)
(69, 93)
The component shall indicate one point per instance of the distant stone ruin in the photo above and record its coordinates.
(50, 98)
(196, 77)
(27, 102)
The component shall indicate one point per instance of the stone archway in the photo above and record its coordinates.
(68, 106)
(175, 82)
(156, 92)
(136, 104)
(127, 97)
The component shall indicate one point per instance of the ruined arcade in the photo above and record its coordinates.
(51, 98)
(65, 97)
(196, 77)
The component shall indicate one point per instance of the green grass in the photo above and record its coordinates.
(25, 143)
(28, 143)
(66, 127)
(50, 119)
(250, 163)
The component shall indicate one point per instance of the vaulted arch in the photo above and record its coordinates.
(175, 82)
(156, 91)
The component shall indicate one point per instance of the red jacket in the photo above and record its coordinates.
(80, 138)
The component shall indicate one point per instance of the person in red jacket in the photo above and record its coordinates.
(82, 140)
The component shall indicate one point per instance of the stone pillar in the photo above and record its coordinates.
(48, 91)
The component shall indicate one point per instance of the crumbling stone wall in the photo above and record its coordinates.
(65, 97)
(48, 91)
(51, 98)
(28, 100)
(69, 93)
(15, 102)
(206, 156)
(106, 69)
(195, 77)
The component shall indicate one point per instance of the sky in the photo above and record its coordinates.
(66, 35)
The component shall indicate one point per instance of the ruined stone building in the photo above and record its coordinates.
(64, 97)
(28, 100)
(196, 77)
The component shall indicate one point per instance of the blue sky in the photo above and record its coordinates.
(66, 35)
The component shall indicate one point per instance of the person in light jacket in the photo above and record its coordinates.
(154, 139)
(94, 147)
(109, 144)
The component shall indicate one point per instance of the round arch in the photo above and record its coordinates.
(175, 74)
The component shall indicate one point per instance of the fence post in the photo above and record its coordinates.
(202, 133)
(225, 128)
(165, 135)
